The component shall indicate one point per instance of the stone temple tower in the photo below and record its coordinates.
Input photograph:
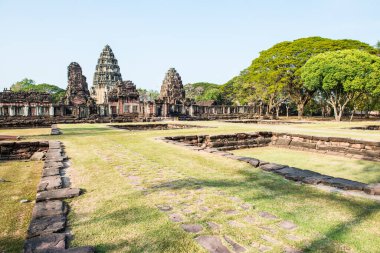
(172, 89)
(77, 89)
(107, 73)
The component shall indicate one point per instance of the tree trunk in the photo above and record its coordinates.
(336, 113)
(300, 110)
(352, 114)
(287, 111)
(277, 112)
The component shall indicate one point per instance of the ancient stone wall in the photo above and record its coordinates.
(27, 122)
(21, 150)
(359, 149)
(227, 141)
(352, 148)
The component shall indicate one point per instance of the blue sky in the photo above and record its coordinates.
(205, 40)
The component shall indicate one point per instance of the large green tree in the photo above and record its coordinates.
(27, 84)
(342, 76)
(202, 91)
(148, 95)
(276, 74)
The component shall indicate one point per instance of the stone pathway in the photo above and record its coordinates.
(217, 221)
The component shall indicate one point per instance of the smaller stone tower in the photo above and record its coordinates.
(172, 90)
(77, 92)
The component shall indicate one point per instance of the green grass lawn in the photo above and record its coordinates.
(126, 175)
(354, 169)
(22, 179)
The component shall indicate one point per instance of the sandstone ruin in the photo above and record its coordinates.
(110, 98)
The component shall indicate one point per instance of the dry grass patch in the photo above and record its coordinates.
(22, 179)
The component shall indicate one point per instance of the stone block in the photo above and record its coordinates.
(254, 162)
(344, 184)
(84, 249)
(49, 208)
(283, 141)
(373, 189)
(46, 225)
(37, 156)
(50, 183)
(50, 172)
(357, 146)
(307, 145)
(50, 164)
(56, 241)
(58, 194)
(272, 166)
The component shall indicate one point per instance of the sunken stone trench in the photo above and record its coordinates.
(47, 228)
(219, 144)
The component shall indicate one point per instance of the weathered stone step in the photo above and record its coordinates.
(49, 208)
(64, 193)
(45, 243)
(46, 225)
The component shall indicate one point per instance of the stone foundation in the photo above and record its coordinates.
(358, 149)
(21, 150)
(352, 148)
(28, 122)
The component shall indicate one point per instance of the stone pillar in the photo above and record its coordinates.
(11, 110)
(51, 111)
(26, 110)
(191, 110)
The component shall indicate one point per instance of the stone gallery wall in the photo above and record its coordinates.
(359, 149)
(21, 150)
(143, 127)
(27, 122)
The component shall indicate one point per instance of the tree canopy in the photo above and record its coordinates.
(342, 76)
(275, 75)
(203, 91)
(148, 95)
(30, 85)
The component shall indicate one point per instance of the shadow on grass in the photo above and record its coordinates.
(147, 231)
(11, 244)
(276, 188)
